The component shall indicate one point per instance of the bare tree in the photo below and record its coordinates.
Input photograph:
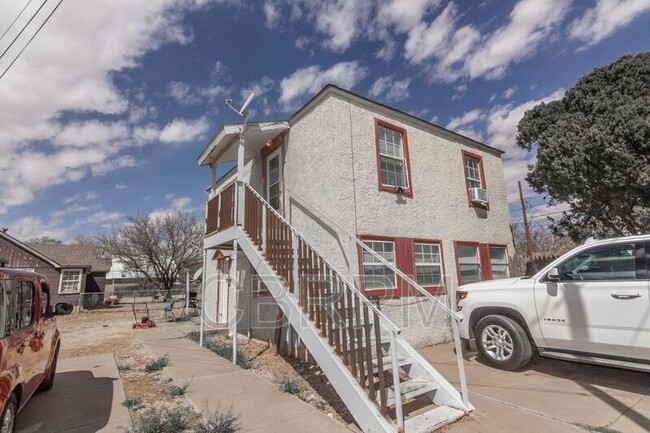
(157, 248)
(44, 240)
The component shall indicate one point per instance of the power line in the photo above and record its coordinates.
(15, 19)
(32, 38)
(22, 30)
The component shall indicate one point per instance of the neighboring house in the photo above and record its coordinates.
(76, 273)
(429, 201)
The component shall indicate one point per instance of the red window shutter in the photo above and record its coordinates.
(486, 264)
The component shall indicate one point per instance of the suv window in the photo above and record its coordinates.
(16, 306)
(602, 263)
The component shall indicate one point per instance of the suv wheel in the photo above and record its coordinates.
(8, 420)
(502, 342)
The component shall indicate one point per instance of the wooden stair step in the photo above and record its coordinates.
(432, 420)
(410, 389)
(387, 364)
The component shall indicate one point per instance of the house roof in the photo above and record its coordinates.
(220, 146)
(27, 248)
(333, 89)
(67, 256)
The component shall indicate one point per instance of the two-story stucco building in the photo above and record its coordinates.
(431, 201)
(345, 230)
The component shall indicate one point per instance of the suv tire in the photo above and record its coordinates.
(502, 342)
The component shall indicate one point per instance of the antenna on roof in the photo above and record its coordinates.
(243, 111)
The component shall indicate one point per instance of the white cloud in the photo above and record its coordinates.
(425, 41)
(509, 92)
(34, 227)
(467, 118)
(404, 14)
(272, 14)
(84, 196)
(530, 23)
(309, 80)
(69, 69)
(102, 217)
(176, 204)
(502, 124)
(388, 89)
(108, 165)
(120, 186)
(605, 18)
(183, 131)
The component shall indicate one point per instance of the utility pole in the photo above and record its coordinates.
(529, 242)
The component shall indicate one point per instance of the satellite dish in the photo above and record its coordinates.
(244, 108)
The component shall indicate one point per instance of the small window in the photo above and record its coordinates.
(499, 262)
(70, 281)
(614, 262)
(376, 275)
(392, 157)
(428, 264)
(274, 180)
(473, 172)
(469, 263)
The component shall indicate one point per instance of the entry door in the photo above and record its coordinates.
(223, 288)
(274, 179)
(600, 305)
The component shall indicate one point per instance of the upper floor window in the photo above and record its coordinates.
(377, 275)
(70, 281)
(473, 172)
(392, 158)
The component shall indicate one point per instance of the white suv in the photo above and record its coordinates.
(590, 305)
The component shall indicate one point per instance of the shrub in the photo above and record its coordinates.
(123, 368)
(290, 386)
(219, 423)
(157, 364)
(178, 391)
(170, 421)
(133, 403)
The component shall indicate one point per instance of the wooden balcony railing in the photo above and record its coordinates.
(340, 312)
(221, 210)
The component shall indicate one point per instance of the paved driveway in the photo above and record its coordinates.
(86, 398)
(548, 396)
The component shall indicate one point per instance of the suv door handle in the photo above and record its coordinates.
(625, 295)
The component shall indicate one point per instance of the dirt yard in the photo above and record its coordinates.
(111, 331)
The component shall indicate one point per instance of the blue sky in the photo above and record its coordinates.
(105, 112)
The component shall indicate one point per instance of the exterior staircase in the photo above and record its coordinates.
(384, 382)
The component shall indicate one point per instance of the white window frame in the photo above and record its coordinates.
(470, 179)
(505, 255)
(478, 258)
(401, 159)
(63, 271)
(276, 153)
(430, 264)
(376, 262)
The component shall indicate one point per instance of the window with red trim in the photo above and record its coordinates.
(392, 158)
(376, 275)
(477, 262)
(475, 179)
(428, 264)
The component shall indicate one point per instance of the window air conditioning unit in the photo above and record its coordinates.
(478, 195)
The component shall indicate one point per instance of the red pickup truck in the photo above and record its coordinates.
(30, 341)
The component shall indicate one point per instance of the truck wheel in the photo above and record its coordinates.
(502, 342)
(48, 382)
(8, 420)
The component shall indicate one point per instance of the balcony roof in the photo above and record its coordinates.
(223, 147)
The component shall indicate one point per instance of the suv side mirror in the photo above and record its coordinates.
(553, 274)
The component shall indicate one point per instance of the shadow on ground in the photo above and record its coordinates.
(79, 402)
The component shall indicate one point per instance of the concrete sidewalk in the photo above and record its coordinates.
(86, 398)
(216, 384)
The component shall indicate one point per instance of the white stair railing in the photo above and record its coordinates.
(455, 318)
